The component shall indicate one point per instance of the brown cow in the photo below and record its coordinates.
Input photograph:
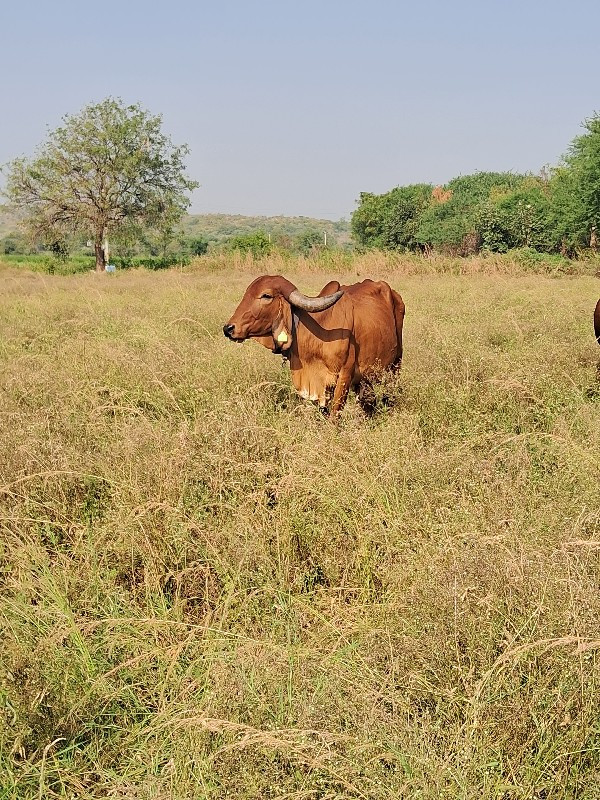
(342, 339)
(597, 321)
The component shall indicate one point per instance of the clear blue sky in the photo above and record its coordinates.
(296, 107)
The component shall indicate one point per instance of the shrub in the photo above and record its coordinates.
(257, 243)
(390, 220)
(309, 242)
(151, 262)
(197, 246)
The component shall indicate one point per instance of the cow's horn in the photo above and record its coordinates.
(300, 300)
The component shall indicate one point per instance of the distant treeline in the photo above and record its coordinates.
(197, 234)
(557, 211)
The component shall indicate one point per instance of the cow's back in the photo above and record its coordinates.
(378, 319)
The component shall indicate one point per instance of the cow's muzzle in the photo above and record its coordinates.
(229, 331)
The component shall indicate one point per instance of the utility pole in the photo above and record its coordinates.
(325, 237)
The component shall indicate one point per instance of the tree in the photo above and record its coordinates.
(576, 190)
(465, 216)
(390, 220)
(197, 245)
(108, 170)
(310, 241)
(524, 218)
(257, 243)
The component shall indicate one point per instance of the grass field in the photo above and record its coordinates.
(210, 591)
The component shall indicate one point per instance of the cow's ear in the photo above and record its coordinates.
(282, 327)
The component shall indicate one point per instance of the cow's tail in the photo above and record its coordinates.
(399, 311)
(597, 321)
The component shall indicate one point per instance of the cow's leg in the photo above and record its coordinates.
(325, 401)
(367, 397)
(340, 393)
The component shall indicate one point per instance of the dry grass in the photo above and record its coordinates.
(208, 591)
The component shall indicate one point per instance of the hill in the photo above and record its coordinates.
(217, 228)
(9, 222)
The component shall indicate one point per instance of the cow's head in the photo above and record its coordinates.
(265, 312)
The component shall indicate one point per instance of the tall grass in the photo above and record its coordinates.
(209, 591)
(372, 263)
(377, 263)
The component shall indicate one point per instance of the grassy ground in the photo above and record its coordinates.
(208, 591)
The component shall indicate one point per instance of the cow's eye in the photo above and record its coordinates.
(266, 296)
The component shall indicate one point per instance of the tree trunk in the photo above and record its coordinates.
(99, 250)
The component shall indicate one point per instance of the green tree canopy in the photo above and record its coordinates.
(576, 189)
(108, 170)
(197, 245)
(257, 243)
(466, 218)
(309, 241)
(493, 211)
(390, 220)
(521, 217)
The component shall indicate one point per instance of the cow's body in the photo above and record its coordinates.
(597, 321)
(347, 345)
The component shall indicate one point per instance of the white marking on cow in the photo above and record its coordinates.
(306, 394)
